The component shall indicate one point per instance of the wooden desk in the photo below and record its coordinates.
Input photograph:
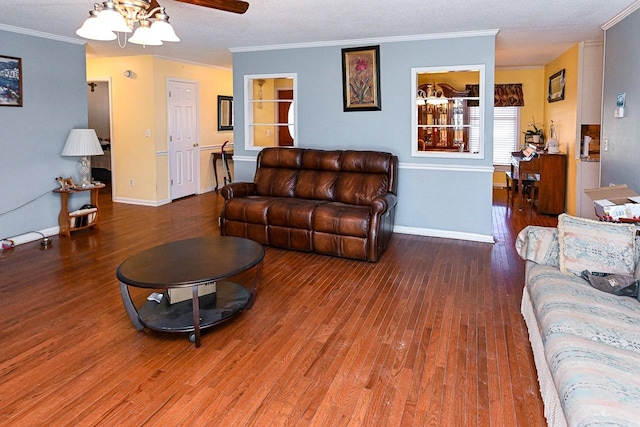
(64, 221)
(552, 169)
(217, 155)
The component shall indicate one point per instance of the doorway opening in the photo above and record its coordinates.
(99, 119)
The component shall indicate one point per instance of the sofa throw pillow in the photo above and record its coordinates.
(591, 245)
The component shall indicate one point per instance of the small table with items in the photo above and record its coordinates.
(191, 263)
(90, 217)
(224, 155)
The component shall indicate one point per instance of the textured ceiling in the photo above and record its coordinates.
(531, 32)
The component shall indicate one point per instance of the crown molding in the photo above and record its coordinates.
(40, 34)
(619, 17)
(185, 61)
(393, 39)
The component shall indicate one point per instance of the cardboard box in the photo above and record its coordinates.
(615, 202)
(175, 295)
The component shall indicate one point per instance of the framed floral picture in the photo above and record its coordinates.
(10, 81)
(361, 78)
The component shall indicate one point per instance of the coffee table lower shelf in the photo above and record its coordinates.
(229, 299)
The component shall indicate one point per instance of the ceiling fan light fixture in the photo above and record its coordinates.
(113, 17)
(144, 35)
(162, 29)
(91, 29)
(110, 18)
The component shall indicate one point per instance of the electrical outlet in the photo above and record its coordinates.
(131, 182)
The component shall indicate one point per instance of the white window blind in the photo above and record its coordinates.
(506, 130)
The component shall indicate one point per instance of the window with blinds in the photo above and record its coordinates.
(506, 132)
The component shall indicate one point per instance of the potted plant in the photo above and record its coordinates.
(535, 133)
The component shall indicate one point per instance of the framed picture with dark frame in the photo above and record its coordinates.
(225, 112)
(10, 81)
(556, 87)
(361, 78)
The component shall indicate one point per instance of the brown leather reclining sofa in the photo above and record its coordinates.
(338, 203)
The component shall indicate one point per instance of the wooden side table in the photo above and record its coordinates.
(224, 156)
(64, 220)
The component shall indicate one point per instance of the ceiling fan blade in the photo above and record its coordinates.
(153, 5)
(235, 6)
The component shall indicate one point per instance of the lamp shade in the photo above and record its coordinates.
(164, 31)
(82, 142)
(91, 29)
(112, 20)
(144, 36)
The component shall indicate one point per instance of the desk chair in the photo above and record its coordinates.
(529, 186)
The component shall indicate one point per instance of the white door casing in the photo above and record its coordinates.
(182, 128)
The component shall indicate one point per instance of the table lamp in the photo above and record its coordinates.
(83, 143)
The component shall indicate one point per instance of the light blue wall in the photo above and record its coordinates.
(622, 62)
(449, 197)
(32, 137)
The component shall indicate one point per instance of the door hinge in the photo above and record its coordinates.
(170, 138)
(171, 181)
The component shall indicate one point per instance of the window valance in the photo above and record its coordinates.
(504, 95)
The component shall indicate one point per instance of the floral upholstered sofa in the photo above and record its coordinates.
(586, 342)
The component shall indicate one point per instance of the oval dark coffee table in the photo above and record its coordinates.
(187, 264)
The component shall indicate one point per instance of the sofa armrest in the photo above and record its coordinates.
(384, 203)
(539, 244)
(238, 189)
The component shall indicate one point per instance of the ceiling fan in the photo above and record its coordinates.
(107, 21)
(235, 6)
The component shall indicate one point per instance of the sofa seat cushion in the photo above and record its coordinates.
(565, 304)
(591, 346)
(251, 209)
(597, 384)
(291, 212)
(342, 219)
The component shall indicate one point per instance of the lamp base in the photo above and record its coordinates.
(84, 166)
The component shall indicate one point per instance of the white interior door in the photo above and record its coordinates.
(184, 159)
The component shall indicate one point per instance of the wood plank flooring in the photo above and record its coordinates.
(431, 335)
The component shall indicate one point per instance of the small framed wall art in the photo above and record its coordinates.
(225, 112)
(361, 78)
(556, 87)
(10, 81)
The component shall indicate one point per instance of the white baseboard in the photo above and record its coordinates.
(141, 202)
(208, 189)
(429, 232)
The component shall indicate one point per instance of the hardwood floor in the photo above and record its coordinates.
(429, 335)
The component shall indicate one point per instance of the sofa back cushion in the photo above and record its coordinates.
(360, 188)
(316, 184)
(364, 175)
(317, 178)
(598, 246)
(352, 177)
(277, 172)
(365, 161)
